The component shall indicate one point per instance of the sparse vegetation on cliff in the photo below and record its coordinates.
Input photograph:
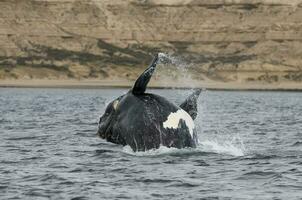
(245, 41)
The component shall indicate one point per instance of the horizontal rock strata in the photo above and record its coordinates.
(219, 40)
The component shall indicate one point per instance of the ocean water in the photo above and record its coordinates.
(250, 147)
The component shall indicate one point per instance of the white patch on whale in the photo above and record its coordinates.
(173, 120)
(115, 104)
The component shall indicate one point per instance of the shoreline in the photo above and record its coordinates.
(97, 84)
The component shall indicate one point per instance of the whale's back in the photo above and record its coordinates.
(150, 120)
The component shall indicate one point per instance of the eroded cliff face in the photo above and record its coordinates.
(223, 40)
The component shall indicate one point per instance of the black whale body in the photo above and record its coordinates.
(146, 121)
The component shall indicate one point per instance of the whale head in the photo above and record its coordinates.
(106, 121)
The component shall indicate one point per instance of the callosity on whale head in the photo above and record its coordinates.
(146, 121)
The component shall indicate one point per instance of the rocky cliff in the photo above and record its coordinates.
(223, 40)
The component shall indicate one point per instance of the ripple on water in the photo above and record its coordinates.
(298, 143)
(23, 138)
(250, 148)
(259, 175)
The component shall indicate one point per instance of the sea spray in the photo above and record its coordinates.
(206, 146)
(225, 142)
(173, 71)
(162, 150)
(225, 147)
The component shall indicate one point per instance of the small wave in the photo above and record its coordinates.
(260, 175)
(79, 198)
(185, 185)
(261, 157)
(23, 138)
(298, 143)
(3, 187)
(101, 151)
(155, 180)
(51, 177)
(221, 148)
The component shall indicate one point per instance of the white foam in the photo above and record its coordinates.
(222, 148)
(162, 150)
(205, 146)
(174, 118)
(162, 55)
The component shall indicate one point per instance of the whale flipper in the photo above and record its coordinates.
(190, 104)
(143, 80)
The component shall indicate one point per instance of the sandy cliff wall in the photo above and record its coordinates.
(225, 40)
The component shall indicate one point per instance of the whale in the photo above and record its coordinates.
(147, 121)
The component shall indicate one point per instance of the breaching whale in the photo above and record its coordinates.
(146, 121)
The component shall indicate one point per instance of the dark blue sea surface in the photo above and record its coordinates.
(250, 148)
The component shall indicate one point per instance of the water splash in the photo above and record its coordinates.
(227, 147)
(207, 146)
(174, 71)
(216, 138)
(162, 150)
(177, 63)
(174, 68)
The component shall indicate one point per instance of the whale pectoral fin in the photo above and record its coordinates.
(143, 80)
(190, 104)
